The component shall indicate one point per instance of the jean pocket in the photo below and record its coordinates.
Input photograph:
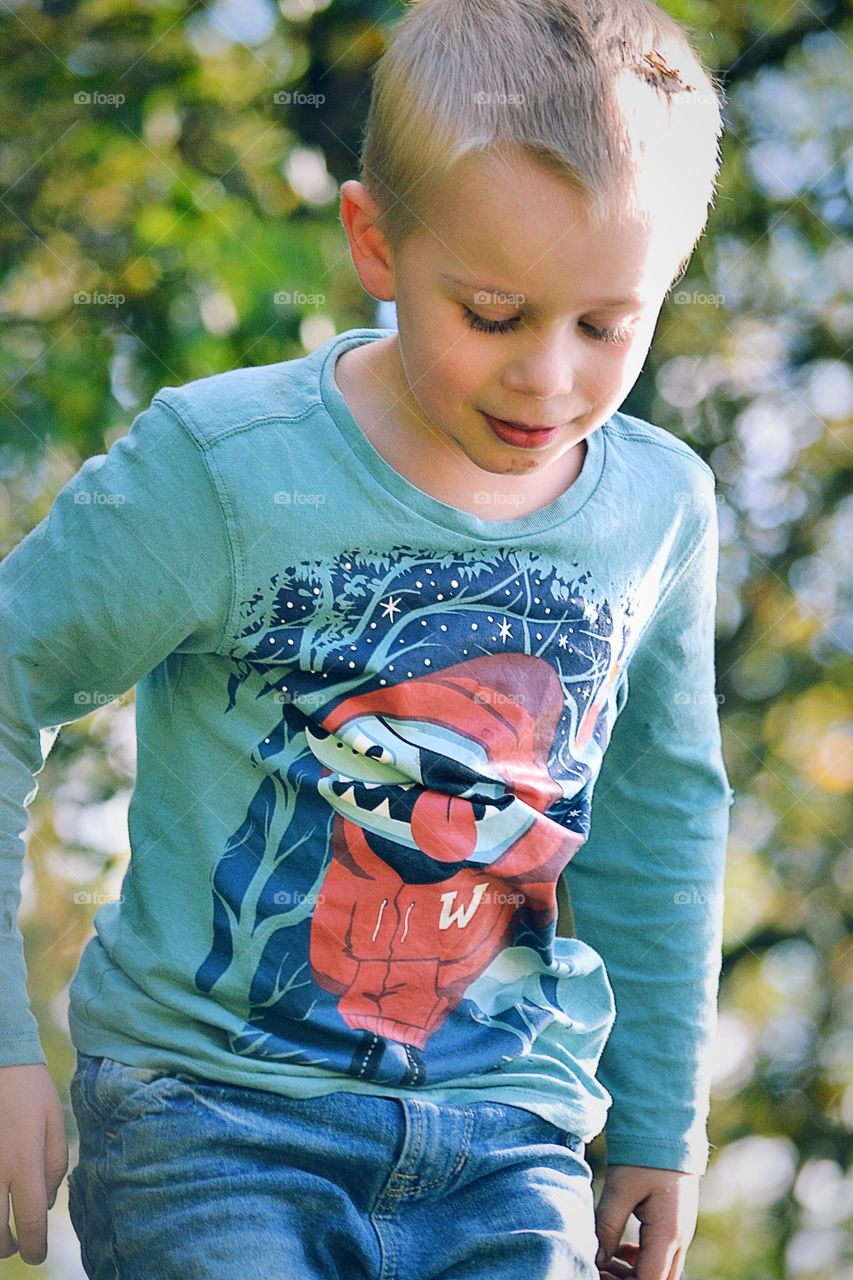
(564, 1138)
(553, 1132)
(114, 1092)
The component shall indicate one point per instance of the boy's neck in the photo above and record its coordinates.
(370, 378)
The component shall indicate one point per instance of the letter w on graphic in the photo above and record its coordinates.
(461, 915)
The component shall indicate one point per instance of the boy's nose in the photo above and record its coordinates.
(545, 373)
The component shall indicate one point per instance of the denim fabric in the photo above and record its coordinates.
(182, 1178)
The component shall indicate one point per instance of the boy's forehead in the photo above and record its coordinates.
(525, 220)
(533, 237)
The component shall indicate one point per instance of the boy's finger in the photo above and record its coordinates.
(616, 1270)
(676, 1271)
(609, 1224)
(8, 1243)
(657, 1252)
(29, 1206)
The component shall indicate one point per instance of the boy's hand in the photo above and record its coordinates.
(667, 1205)
(33, 1157)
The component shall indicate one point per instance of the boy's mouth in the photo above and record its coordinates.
(521, 436)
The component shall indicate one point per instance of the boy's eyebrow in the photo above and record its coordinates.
(632, 300)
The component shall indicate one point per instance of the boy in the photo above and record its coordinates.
(383, 605)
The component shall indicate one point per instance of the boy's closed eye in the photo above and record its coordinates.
(615, 334)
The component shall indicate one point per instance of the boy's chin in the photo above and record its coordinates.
(514, 463)
(492, 456)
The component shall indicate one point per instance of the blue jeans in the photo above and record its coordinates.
(183, 1178)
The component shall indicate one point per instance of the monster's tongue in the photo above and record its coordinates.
(444, 826)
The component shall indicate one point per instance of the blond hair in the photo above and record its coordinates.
(609, 95)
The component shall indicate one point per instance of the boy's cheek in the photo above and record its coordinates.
(444, 369)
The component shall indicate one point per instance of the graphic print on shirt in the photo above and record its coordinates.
(436, 725)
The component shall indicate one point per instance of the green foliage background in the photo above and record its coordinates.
(186, 209)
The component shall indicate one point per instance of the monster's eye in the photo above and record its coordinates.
(364, 758)
(378, 752)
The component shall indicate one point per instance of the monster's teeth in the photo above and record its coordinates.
(349, 795)
(383, 808)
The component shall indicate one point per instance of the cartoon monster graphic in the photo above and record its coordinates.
(440, 850)
(387, 905)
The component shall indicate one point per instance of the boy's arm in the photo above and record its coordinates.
(647, 884)
(131, 562)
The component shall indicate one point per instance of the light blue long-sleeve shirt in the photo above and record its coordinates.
(370, 726)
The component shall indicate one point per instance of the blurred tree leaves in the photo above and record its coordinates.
(168, 186)
(171, 183)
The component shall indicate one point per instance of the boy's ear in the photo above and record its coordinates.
(370, 251)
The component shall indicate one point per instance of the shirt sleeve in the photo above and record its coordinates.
(131, 563)
(647, 885)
